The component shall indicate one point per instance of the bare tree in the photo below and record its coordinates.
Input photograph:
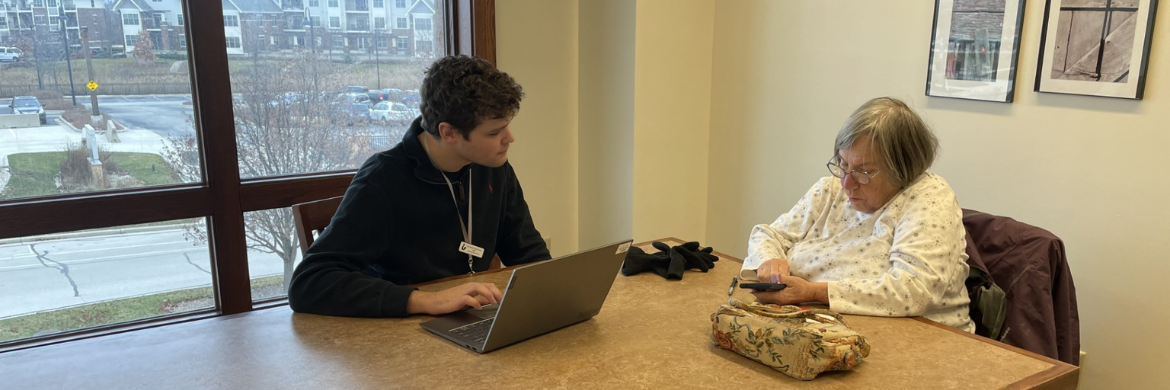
(284, 126)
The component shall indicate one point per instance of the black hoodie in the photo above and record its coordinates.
(397, 225)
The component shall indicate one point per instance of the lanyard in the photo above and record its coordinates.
(464, 228)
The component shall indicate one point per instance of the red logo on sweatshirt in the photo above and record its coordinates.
(490, 189)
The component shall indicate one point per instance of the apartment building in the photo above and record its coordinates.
(253, 27)
(38, 20)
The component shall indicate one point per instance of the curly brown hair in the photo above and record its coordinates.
(464, 91)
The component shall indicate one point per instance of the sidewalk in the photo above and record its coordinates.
(55, 138)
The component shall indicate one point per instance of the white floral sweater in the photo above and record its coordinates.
(906, 259)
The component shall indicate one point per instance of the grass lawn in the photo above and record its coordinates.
(110, 70)
(150, 168)
(33, 173)
(112, 312)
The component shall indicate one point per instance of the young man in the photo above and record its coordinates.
(441, 203)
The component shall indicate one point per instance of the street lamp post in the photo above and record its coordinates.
(377, 61)
(312, 43)
(65, 38)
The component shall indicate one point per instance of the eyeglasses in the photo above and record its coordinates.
(861, 177)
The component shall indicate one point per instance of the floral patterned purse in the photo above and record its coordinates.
(797, 342)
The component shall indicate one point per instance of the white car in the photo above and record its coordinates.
(386, 111)
(11, 54)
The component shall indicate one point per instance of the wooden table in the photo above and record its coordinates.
(651, 333)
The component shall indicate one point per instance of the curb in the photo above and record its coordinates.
(64, 123)
(89, 233)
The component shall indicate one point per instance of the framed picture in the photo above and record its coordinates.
(973, 49)
(1096, 47)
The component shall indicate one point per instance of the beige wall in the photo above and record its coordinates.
(1082, 167)
(537, 44)
(606, 124)
(672, 84)
(613, 130)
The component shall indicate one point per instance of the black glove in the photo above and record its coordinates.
(638, 261)
(668, 262)
(692, 257)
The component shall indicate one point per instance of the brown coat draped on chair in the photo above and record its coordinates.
(1029, 264)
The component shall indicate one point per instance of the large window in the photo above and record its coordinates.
(136, 218)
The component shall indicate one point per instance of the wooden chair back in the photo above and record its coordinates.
(312, 218)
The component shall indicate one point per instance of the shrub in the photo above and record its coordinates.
(76, 174)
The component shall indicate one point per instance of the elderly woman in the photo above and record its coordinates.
(880, 237)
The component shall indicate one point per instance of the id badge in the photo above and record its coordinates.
(471, 249)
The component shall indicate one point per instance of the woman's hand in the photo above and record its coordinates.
(773, 271)
(798, 291)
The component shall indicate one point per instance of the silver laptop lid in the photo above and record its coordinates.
(552, 294)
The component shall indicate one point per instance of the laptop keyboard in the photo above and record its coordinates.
(475, 331)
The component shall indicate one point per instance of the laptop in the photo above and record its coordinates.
(540, 298)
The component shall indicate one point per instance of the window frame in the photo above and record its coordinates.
(222, 197)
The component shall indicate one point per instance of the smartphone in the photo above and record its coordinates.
(764, 286)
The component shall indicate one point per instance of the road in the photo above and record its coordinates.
(77, 271)
(165, 115)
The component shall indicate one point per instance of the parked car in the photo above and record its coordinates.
(10, 54)
(386, 111)
(28, 105)
(357, 112)
(386, 94)
(412, 98)
(355, 90)
(350, 98)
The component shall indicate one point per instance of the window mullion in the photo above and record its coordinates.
(215, 124)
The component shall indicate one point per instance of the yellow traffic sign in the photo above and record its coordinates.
(91, 85)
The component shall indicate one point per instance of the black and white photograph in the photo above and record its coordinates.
(974, 47)
(1096, 47)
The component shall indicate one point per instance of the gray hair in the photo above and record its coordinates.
(903, 143)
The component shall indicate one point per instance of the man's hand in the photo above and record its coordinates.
(473, 295)
(798, 291)
(773, 271)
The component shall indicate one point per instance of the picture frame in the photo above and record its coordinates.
(1094, 49)
(974, 48)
